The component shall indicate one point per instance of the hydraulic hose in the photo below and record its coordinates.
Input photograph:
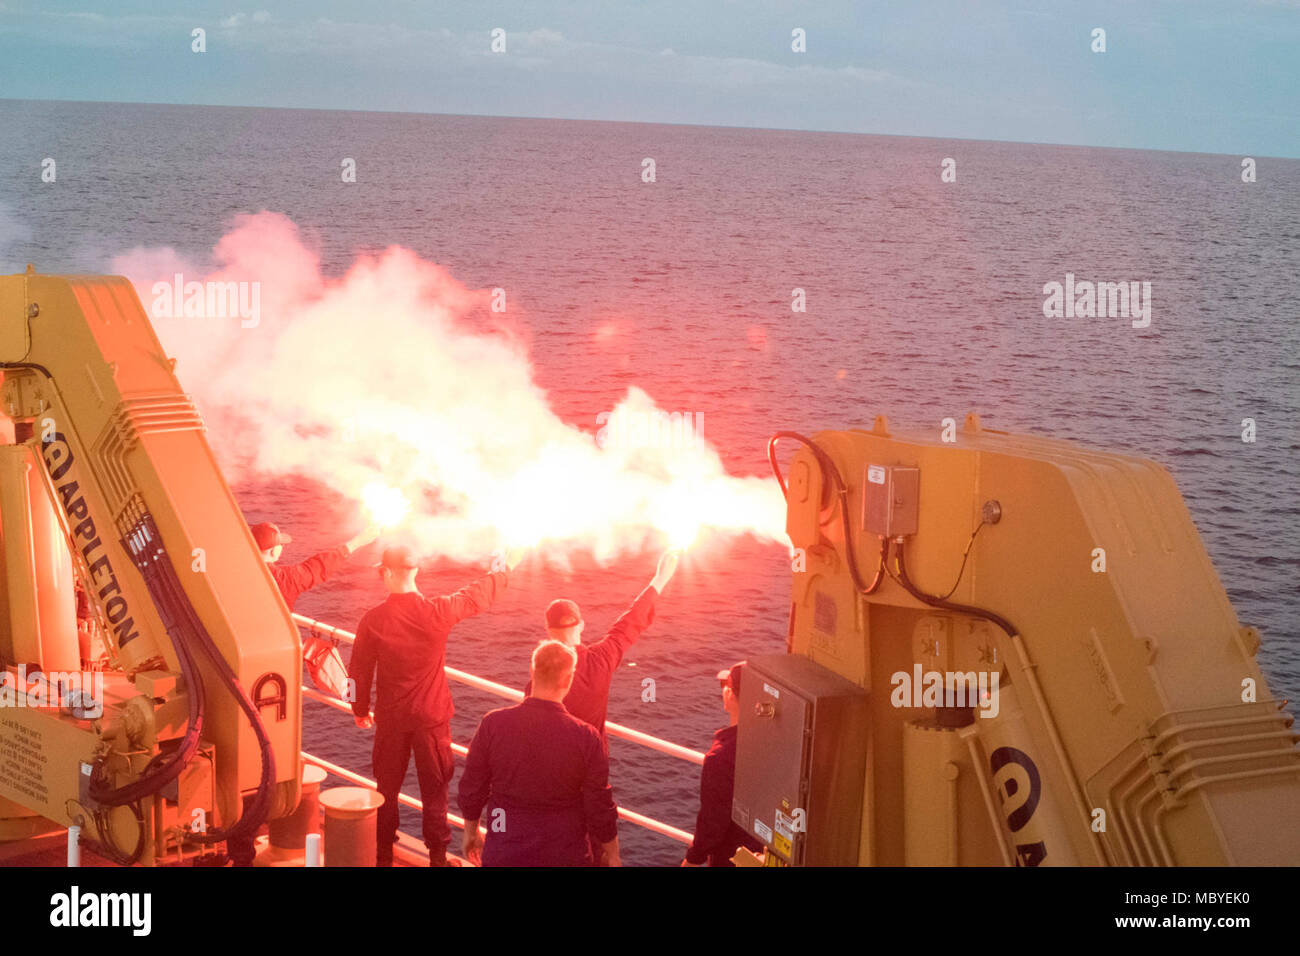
(164, 768)
(183, 626)
(829, 471)
(933, 601)
(103, 824)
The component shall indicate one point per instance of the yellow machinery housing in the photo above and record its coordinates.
(104, 465)
(1086, 694)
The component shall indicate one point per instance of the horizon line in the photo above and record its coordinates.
(570, 119)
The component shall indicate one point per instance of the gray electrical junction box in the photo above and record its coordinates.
(801, 760)
(891, 500)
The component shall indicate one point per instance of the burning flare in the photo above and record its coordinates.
(385, 506)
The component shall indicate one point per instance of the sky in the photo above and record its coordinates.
(1219, 76)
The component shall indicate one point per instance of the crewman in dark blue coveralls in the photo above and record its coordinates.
(543, 776)
(716, 837)
(405, 641)
(588, 700)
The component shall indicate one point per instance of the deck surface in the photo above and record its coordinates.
(51, 850)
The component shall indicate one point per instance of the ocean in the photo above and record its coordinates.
(924, 300)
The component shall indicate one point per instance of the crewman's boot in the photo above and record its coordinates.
(438, 857)
(384, 852)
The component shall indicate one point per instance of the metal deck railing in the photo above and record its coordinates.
(320, 629)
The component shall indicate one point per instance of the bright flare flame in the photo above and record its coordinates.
(385, 505)
(682, 535)
(682, 513)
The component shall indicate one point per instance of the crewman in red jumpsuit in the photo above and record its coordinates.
(543, 777)
(404, 640)
(716, 837)
(292, 580)
(319, 656)
(588, 700)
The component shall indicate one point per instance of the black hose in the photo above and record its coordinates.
(965, 555)
(842, 491)
(184, 625)
(933, 601)
(828, 469)
(103, 824)
(164, 768)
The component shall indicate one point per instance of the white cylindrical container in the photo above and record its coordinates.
(74, 846)
(313, 849)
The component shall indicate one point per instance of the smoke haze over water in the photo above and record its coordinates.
(397, 375)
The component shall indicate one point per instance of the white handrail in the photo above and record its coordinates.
(501, 690)
(649, 823)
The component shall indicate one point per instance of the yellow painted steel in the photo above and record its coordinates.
(1130, 724)
(1134, 727)
(86, 376)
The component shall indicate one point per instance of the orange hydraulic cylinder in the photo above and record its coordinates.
(23, 624)
(41, 595)
(56, 597)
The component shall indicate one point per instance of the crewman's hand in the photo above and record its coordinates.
(688, 863)
(667, 568)
(365, 723)
(370, 533)
(472, 844)
(610, 853)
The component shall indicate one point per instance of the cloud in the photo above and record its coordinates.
(442, 50)
(541, 38)
(240, 19)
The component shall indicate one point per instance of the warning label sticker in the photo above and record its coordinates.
(22, 760)
(785, 825)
